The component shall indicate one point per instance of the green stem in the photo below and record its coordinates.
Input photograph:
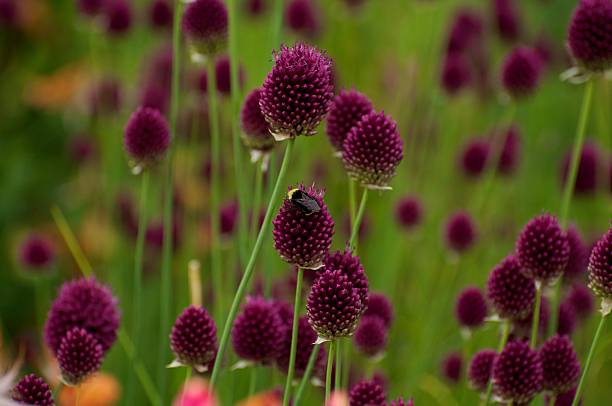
(252, 381)
(137, 282)
(352, 199)
(358, 218)
(328, 372)
(259, 174)
(337, 377)
(535, 320)
(248, 272)
(307, 373)
(502, 343)
(587, 365)
(294, 336)
(184, 391)
(141, 372)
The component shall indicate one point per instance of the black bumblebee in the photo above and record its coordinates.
(303, 201)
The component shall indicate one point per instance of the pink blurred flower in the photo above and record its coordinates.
(338, 398)
(195, 393)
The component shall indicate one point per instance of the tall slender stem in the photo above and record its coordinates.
(294, 335)
(184, 390)
(352, 199)
(337, 376)
(535, 320)
(306, 377)
(328, 372)
(503, 339)
(248, 272)
(358, 218)
(259, 174)
(252, 380)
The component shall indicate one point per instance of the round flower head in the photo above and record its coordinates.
(372, 150)
(578, 256)
(471, 307)
(401, 402)
(511, 293)
(302, 237)
(118, 16)
(147, 136)
(302, 17)
(517, 373)
(90, 7)
(371, 336)
(600, 267)
(588, 168)
(466, 30)
(255, 131)
(345, 112)
(409, 212)
(474, 157)
(87, 304)
(350, 266)
(507, 21)
(451, 367)
(566, 319)
(509, 155)
(542, 248)
(581, 300)
(305, 344)
(297, 93)
(560, 365)
(521, 72)
(589, 36)
(481, 366)
(333, 306)
(194, 338)
(380, 306)
(228, 214)
(223, 76)
(79, 355)
(160, 14)
(460, 232)
(257, 331)
(32, 390)
(36, 252)
(367, 393)
(455, 74)
(205, 26)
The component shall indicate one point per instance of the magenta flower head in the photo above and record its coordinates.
(474, 157)
(345, 112)
(194, 338)
(302, 235)
(32, 390)
(520, 73)
(379, 305)
(542, 248)
(255, 7)
(578, 260)
(510, 293)
(372, 150)
(481, 366)
(257, 331)
(90, 7)
(333, 306)
(302, 17)
(589, 36)
(118, 16)
(298, 91)
(600, 267)
(456, 74)
(507, 20)
(466, 29)
(305, 344)
(460, 232)
(160, 14)
(517, 373)
(79, 355)
(205, 26)
(451, 367)
(367, 393)
(371, 336)
(409, 212)
(401, 402)
(255, 131)
(146, 136)
(581, 299)
(588, 170)
(509, 157)
(471, 307)
(560, 365)
(87, 304)
(36, 252)
(228, 214)
(222, 70)
(350, 266)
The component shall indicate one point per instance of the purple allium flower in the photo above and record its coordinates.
(105, 97)
(367, 393)
(205, 25)
(302, 17)
(566, 319)
(87, 304)
(32, 390)
(600, 267)
(455, 74)
(372, 150)
(147, 135)
(79, 355)
(255, 7)
(589, 35)
(228, 215)
(578, 256)
(371, 335)
(467, 27)
(155, 97)
(581, 299)
(560, 365)
(160, 14)
(517, 373)
(305, 344)
(297, 93)
(194, 338)
(566, 399)
(257, 332)
(481, 366)
(118, 16)
(460, 231)
(380, 306)
(303, 239)
(255, 132)
(474, 157)
(36, 252)
(333, 305)
(521, 72)
(401, 402)
(409, 212)
(345, 112)
(509, 156)
(507, 20)
(90, 7)
(471, 307)
(511, 294)
(542, 248)
(588, 169)
(223, 76)
(452, 366)
(350, 266)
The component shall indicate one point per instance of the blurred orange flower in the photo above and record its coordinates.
(338, 398)
(270, 398)
(58, 89)
(99, 390)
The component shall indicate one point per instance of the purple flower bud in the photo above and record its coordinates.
(345, 112)
(456, 74)
(367, 393)
(255, 131)
(305, 344)
(147, 135)
(460, 232)
(511, 294)
(205, 25)
(517, 373)
(257, 332)
(223, 76)
(297, 93)
(521, 72)
(371, 336)
(588, 169)
(380, 306)
(581, 300)
(90, 8)
(600, 267)
(118, 16)
(194, 338)
(451, 367)
(507, 20)
(79, 355)
(302, 17)
(480, 369)
(560, 366)
(474, 157)
(32, 390)
(409, 212)
(471, 307)
(372, 150)
(36, 252)
(542, 248)
(589, 36)
(160, 14)
(508, 159)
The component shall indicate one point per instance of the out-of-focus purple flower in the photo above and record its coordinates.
(255, 7)
(105, 97)
(345, 112)
(460, 232)
(466, 29)
(581, 300)
(367, 393)
(511, 294)
(409, 212)
(521, 71)
(481, 366)
(305, 340)
(147, 135)
(118, 15)
(456, 74)
(474, 157)
(255, 132)
(371, 336)
(89, 8)
(302, 17)
(452, 366)
(257, 332)
(513, 386)
(588, 170)
(566, 319)
(510, 153)
(160, 14)
(380, 306)
(578, 256)
(79, 355)
(222, 70)
(205, 25)
(81, 148)
(560, 366)
(507, 20)
(522, 327)
(36, 252)
(155, 97)
(471, 307)
(228, 214)
(589, 35)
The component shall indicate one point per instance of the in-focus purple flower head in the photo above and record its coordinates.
(451, 367)
(517, 373)
(510, 293)
(371, 336)
(194, 338)
(345, 112)
(588, 170)
(460, 232)
(560, 365)
(255, 131)
(302, 17)
(119, 17)
(521, 71)
(507, 20)
(350, 265)
(79, 355)
(480, 369)
(589, 35)
(456, 74)
(409, 212)
(32, 390)
(205, 26)
(471, 307)
(600, 268)
(367, 393)
(297, 93)
(474, 157)
(146, 136)
(36, 252)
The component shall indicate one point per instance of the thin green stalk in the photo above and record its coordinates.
(248, 272)
(328, 372)
(337, 377)
(502, 343)
(71, 242)
(252, 381)
(358, 218)
(346, 371)
(258, 192)
(137, 281)
(294, 335)
(143, 376)
(587, 365)
(307, 373)
(184, 390)
(352, 199)
(166, 270)
(535, 320)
